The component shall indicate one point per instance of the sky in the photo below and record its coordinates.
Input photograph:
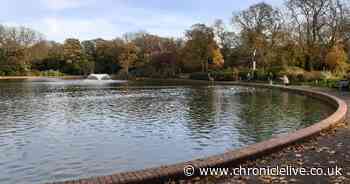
(108, 19)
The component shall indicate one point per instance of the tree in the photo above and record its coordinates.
(306, 34)
(39, 51)
(76, 61)
(227, 40)
(12, 62)
(260, 25)
(89, 49)
(2, 35)
(128, 57)
(199, 47)
(15, 43)
(259, 18)
(217, 59)
(336, 58)
(148, 46)
(54, 60)
(156, 56)
(72, 50)
(107, 55)
(310, 18)
(166, 60)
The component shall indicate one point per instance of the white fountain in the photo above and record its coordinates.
(99, 77)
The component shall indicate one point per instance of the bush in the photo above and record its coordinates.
(158, 75)
(243, 73)
(11, 70)
(225, 75)
(146, 71)
(275, 71)
(36, 73)
(304, 76)
(150, 71)
(48, 73)
(311, 76)
(122, 75)
(322, 79)
(199, 76)
(261, 75)
(327, 76)
(295, 74)
(324, 83)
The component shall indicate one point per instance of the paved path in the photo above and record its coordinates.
(330, 149)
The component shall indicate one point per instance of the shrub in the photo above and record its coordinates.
(312, 76)
(336, 58)
(325, 83)
(122, 75)
(275, 71)
(158, 75)
(243, 73)
(295, 74)
(261, 75)
(309, 76)
(49, 73)
(327, 76)
(35, 73)
(199, 76)
(225, 75)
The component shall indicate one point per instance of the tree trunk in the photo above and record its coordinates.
(127, 71)
(203, 66)
(206, 66)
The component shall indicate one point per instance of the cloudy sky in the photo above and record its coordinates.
(88, 19)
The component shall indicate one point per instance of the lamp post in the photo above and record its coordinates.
(253, 59)
(254, 63)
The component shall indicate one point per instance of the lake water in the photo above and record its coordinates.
(60, 130)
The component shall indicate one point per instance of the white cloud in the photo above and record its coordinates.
(58, 28)
(163, 23)
(147, 17)
(89, 19)
(65, 4)
(108, 24)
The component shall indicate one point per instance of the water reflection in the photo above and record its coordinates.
(272, 112)
(201, 110)
(58, 130)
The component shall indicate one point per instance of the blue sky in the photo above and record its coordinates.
(88, 19)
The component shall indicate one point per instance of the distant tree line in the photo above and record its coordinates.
(302, 39)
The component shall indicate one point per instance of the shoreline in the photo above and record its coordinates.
(329, 149)
(175, 172)
(40, 77)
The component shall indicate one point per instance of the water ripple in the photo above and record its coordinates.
(67, 129)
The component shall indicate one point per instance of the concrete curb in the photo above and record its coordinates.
(175, 172)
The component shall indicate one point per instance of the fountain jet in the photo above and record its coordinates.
(99, 77)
